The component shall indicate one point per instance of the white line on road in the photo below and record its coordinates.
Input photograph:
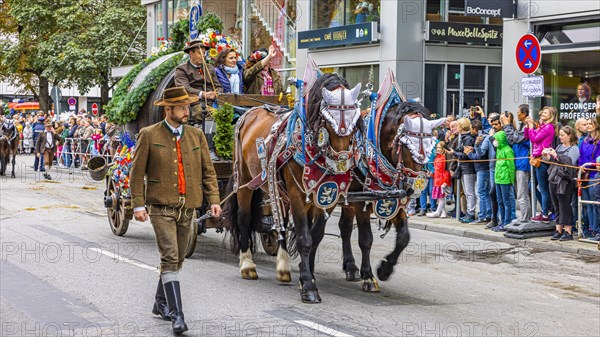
(126, 260)
(323, 329)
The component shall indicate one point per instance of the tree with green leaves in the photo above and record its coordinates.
(26, 28)
(71, 42)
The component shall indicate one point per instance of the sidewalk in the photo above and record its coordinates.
(453, 227)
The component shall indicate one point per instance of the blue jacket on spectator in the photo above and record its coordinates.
(480, 166)
(588, 152)
(224, 79)
(38, 128)
(487, 148)
(520, 145)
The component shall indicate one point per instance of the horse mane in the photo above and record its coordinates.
(328, 81)
(405, 108)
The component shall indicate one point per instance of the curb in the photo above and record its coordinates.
(468, 233)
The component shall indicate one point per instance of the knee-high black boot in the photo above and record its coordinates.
(173, 295)
(160, 302)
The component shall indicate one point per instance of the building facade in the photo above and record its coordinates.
(569, 36)
(439, 54)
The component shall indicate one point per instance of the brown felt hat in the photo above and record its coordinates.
(193, 44)
(176, 96)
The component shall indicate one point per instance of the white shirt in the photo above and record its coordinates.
(49, 140)
(179, 129)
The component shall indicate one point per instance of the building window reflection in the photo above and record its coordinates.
(334, 13)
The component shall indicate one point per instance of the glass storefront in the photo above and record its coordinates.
(177, 9)
(333, 13)
(571, 69)
(482, 86)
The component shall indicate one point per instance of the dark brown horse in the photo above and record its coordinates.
(400, 153)
(9, 145)
(332, 114)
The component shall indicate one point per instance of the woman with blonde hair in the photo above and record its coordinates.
(541, 136)
(465, 145)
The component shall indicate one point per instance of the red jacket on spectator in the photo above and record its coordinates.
(440, 174)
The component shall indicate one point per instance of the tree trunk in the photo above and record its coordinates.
(44, 94)
(104, 89)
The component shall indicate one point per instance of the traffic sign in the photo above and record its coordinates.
(532, 86)
(195, 13)
(95, 109)
(528, 53)
(72, 101)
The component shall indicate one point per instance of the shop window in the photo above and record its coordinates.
(333, 13)
(434, 89)
(495, 90)
(571, 83)
(435, 10)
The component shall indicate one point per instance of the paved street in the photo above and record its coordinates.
(63, 273)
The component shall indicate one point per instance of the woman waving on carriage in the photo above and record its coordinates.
(259, 77)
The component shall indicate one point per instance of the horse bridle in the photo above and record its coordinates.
(397, 145)
(10, 127)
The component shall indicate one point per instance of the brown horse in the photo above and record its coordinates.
(332, 114)
(407, 160)
(9, 145)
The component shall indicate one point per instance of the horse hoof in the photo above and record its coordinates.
(352, 275)
(384, 270)
(283, 276)
(13, 175)
(370, 285)
(249, 274)
(310, 296)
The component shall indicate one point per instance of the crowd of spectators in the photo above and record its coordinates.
(83, 135)
(490, 156)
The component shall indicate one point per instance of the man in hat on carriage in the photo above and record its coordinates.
(199, 79)
(45, 146)
(174, 159)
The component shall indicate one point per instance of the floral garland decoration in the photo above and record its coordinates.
(123, 161)
(124, 106)
(216, 42)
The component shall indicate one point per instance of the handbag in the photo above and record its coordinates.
(535, 161)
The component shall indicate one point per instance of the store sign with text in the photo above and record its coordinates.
(339, 36)
(464, 32)
(490, 8)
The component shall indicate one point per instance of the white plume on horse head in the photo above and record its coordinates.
(419, 137)
(340, 108)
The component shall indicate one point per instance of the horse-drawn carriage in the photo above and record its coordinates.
(117, 198)
(302, 164)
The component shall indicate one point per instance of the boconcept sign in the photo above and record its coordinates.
(493, 8)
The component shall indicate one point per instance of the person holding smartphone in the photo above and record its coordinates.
(520, 145)
(483, 176)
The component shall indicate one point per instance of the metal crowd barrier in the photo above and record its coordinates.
(581, 202)
(80, 149)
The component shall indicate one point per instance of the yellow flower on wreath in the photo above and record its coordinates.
(213, 53)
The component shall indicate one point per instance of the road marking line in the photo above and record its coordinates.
(552, 295)
(323, 329)
(126, 260)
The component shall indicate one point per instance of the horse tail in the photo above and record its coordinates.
(230, 219)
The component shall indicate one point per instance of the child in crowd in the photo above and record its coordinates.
(97, 148)
(441, 180)
(504, 178)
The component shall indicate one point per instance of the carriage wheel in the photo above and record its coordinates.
(193, 238)
(270, 242)
(116, 214)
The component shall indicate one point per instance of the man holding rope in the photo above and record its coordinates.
(200, 79)
(174, 159)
